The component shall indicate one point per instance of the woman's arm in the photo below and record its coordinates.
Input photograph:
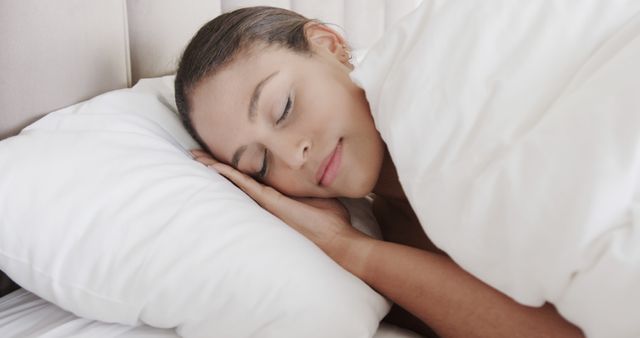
(430, 286)
(451, 301)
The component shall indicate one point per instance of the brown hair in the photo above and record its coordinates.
(220, 40)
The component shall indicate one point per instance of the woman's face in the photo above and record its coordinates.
(297, 123)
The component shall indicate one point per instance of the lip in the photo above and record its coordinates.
(330, 166)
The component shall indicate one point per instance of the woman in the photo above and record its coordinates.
(267, 93)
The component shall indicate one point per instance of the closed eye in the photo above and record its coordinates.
(285, 113)
(263, 172)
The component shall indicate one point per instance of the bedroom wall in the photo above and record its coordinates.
(57, 53)
(362, 21)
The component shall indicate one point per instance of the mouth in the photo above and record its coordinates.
(330, 166)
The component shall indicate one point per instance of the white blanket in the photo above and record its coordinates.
(515, 129)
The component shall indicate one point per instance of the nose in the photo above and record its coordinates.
(294, 153)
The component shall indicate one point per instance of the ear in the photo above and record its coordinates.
(324, 39)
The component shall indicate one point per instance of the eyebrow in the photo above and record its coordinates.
(253, 105)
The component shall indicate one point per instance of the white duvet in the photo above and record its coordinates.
(515, 129)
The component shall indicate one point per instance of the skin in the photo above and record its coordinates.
(412, 273)
(326, 108)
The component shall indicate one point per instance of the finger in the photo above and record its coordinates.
(200, 153)
(309, 220)
(203, 157)
(208, 161)
(255, 189)
(268, 197)
(197, 152)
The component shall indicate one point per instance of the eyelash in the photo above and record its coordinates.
(285, 113)
(263, 172)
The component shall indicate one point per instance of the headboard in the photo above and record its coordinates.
(57, 53)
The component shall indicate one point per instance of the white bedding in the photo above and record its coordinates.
(515, 129)
(130, 229)
(24, 315)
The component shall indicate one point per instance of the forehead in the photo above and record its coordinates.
(220, 103)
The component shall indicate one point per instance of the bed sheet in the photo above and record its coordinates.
(24, 315)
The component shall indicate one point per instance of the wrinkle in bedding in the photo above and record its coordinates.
(514, 128)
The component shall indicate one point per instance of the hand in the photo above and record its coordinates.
(325, 221)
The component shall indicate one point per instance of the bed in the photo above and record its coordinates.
(23, 314)
(61, 53)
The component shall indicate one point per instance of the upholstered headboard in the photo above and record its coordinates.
(57, 53)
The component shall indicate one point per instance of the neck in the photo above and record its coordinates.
(388, 185)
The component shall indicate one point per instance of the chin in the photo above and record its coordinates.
(358, 194)
(362, 189)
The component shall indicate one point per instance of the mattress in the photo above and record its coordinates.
(24, 315)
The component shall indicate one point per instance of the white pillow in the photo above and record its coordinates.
(105, 214)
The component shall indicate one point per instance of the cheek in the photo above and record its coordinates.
(293, 183)
(287, 182)
(325, 96)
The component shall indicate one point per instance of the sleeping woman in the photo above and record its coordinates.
(278, 108)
